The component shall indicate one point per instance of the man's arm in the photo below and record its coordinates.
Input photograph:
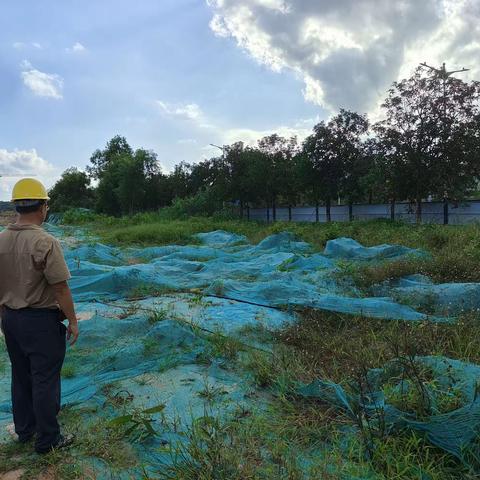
(63, 296)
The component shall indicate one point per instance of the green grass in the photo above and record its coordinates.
(455, 250)
(4, 361)
(339, 347)
(68, 371)
(157, 316)
(150, 346)
(143, 290)
(220, 346)
(94, 440)
(284, 442)
(151, 228)
(296, 439)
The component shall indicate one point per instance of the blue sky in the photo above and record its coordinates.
(176, 75)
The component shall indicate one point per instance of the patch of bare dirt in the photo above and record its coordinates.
(12, 475)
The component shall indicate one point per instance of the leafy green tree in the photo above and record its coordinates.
(134, 174)
(240, 188)
(158, 191)
(384, 180)
(309, 178)
(72, 190)
(278, 168)
(125, 177)
(200, 176)
(431, 131)
(333, 157)
(180, 180)
(349, 130)
(117, 147)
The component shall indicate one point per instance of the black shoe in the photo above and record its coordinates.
(63, 442)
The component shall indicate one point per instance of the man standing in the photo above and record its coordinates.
(35, 298)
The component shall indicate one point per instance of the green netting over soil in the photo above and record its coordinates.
(225, 285)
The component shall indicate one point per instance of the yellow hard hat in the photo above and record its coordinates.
(29, 189)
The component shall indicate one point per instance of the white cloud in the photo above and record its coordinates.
(22, 45)
(42, 84)
(189, 111)
(223, 135)
(77, 47)
(25, 163)
(348, 52)
(251, 137)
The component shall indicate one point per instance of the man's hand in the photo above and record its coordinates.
(65, 302)
(72, 332)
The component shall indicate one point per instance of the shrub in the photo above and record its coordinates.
(78, 216)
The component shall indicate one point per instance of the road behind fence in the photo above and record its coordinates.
(432, 212)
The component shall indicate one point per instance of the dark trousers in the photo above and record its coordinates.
(35, 340)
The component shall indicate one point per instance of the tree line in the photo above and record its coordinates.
(427, 144)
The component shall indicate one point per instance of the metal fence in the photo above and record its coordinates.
(432, 212)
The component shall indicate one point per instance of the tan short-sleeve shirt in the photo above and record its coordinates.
(31, 261)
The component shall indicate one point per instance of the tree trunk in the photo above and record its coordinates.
(241, 209)
(274, 210)
(268, 214)
(248, 212)
(445, 210)
(316, 213)
(350, 211)
(370, 197)
(419, 210)
(392, 209)
(289, 213)
(327, 207)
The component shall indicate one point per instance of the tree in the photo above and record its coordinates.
(278, 153)
(309, 177)
(124, 177)
(333, 157)
(238, 187)
(72, 190)
(180, 180)
(384, 179)
(349, 129)
(158, 191)
(134, 174)
(428, 131)
(100, 159)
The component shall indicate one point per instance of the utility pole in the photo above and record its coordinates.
(220, 148)
(223, 160)
(443, 74)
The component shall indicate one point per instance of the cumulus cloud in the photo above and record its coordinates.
(42, 84)
(23, 163)
(348, 52)
(22, 45)
(77, 47)
(223, 135)
(251, 137)
(189, 111)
